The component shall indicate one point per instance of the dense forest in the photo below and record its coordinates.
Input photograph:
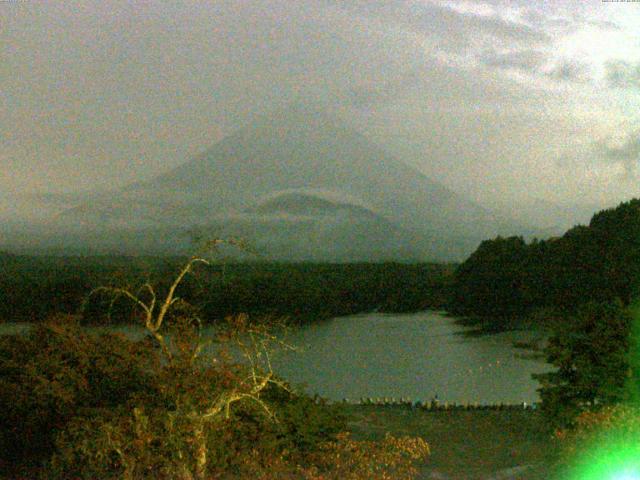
(37, 287)
(507, 277)
(583, 288)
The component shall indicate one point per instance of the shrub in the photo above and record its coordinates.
(590, 351)
(102, 406)
(346, 459)
(184, 425)
(56, 372)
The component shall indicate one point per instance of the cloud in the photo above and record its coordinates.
(528, 60)
(622, 74)
(537, 63)
(493, 25)
(99, 96)
(449, 27)
(503, 36)
(548, 23)
(569, 70)
(367, 93)
(624, 151)
(604, 24)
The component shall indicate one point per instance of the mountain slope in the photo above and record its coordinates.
(318, 160)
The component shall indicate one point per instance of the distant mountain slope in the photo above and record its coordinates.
(302, 164)
(302, 203)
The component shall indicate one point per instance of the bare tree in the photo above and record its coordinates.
(254, 342)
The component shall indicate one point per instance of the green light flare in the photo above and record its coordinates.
(627, 476)
(617, 460)
(613, 451)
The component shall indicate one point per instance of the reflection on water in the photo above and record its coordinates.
(416, 355)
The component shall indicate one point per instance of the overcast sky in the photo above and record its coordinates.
(494, 99)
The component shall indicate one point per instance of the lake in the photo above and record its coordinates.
(416, 355)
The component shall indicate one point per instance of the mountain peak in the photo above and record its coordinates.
(296, 117)
(304, 148)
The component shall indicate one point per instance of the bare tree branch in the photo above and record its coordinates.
(170, 295)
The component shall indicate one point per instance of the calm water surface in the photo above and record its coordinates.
(416, 355)
(411, 355)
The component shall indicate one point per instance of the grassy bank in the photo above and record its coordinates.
(469, 445)
(465, 445)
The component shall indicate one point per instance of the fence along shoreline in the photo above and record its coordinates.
(432, 405)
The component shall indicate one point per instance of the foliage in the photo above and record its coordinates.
(618, 234)
(152, 446)
(607, 439)
(346, 459)
(599, 262)
(37, 287)
(585, 283)
(108, 407)
(590, 350)
(54, 373)
(489, 282)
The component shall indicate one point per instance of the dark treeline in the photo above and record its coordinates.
(37, 287)
(581, 287)
(507, 277)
